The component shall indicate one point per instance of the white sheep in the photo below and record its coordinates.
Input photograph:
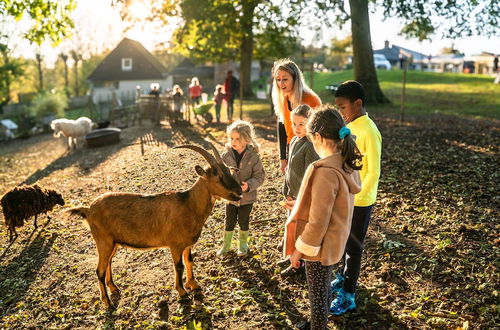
(72, 129)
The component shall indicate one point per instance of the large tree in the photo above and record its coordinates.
(219, 30)
(223, 30)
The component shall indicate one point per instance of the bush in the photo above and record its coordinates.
(46, 104)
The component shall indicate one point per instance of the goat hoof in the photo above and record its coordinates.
(184, 299)
(191, 285)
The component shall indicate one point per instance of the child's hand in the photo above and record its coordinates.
(295, 257)
(289, 204)
(283, 164)
(244, 186)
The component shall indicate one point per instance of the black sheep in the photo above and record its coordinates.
(21, 203)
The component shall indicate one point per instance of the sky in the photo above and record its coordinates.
(99, 26)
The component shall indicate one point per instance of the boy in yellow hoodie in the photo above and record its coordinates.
(350, 99)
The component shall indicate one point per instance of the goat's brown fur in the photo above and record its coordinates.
(168, 219)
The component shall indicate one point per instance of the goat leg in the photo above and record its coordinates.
(109, 279)
(179, 270)
(36, 226)
(188, 261)
(104, 250)
(12, 233)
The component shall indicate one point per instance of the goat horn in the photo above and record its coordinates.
(216, 152)
(210, 159)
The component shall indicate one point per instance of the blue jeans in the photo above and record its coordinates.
(355, 245)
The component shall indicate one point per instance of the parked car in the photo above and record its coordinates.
(381, 62)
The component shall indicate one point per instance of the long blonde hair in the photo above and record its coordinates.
(246, 132)
(299, 86)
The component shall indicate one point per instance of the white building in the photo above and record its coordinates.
(129, 65)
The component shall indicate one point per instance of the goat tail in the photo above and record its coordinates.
(82, 211)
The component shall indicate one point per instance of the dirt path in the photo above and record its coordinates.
(432, 249)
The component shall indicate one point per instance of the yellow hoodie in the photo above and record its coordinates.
(369, 142)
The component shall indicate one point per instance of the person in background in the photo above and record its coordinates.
(177, 95)
(195, 90)
(288, 92)
(318, 226)
(155, 90)
(350, 99)
(219, 97)
(242, 154)
(232, 88)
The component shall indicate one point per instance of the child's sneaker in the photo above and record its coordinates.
(337, 283)
(344, 302)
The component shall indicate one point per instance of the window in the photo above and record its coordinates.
(126, 64)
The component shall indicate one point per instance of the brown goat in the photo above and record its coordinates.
(21, 203)
(169, 219)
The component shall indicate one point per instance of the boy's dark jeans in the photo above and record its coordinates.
(354, 246)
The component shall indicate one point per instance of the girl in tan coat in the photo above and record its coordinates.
(319, 223)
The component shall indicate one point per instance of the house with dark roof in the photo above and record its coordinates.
(126, 69)
(395, 53)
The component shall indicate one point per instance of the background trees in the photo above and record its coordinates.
(219, 30)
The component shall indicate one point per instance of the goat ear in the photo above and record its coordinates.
(200, 170)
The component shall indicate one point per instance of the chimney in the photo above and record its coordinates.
(386, 44)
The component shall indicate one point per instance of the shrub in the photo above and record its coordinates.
(45, 104)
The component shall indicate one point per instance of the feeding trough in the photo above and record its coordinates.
(102, 137)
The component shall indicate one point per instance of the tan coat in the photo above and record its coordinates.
(320, 222)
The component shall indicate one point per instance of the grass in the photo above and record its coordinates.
(428, 92)
(463, 95)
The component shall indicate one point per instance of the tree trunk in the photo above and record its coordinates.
(64, 57)
(246, 48)
(76, 58)
(40, 73)
(76, 78)
(364, 69)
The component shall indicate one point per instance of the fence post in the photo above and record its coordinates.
(402, 113)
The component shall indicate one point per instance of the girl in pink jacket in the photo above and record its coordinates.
(319, 223)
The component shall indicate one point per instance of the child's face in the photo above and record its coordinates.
(237, 142)
(284, 81)
(349, 110)
(299, 125)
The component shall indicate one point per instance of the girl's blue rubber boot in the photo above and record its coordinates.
(337, 283)
(344, 302)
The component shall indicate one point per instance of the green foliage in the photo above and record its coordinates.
(338, 52)
(10, 69)
(451, 19)
(50, 18)
(49, 104)
(215, 30)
